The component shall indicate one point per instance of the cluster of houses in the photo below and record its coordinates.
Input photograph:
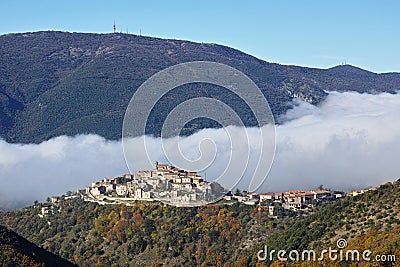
(124, 186)
(165, 182)
(133, 187)
(49, 207)
(186, 188)
(293, 199)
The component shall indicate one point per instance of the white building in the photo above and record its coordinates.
(121, 190)
(266, 196)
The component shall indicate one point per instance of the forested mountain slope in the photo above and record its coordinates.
(54, 83)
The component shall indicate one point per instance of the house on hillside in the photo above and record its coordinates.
(121, 189)
(271, 210)
(266, 196)
(278, 197)
(55, 199)
(45, 210)
(357, 192)
(320, 194)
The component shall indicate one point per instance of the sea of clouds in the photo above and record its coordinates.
(350, 141)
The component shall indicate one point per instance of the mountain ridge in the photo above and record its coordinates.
(58, 83)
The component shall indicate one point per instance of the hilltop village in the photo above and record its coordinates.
(180, 187)
(165, 183)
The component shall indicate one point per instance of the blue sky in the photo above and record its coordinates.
(307, 33)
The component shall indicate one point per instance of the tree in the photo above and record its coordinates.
(237, 192)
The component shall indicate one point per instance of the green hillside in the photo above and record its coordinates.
(153, 234)
(54, 83)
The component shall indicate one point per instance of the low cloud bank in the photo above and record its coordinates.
(350, 141)
(35, 171)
